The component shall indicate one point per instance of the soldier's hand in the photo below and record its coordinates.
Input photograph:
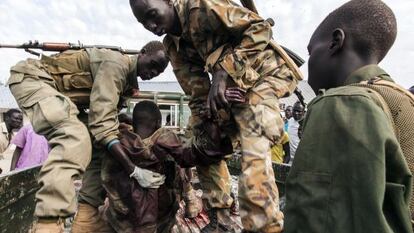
(235, 94)
(216, 97)
(147, 178)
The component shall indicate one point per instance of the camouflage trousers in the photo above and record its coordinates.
(54, 116)
(214, 179)
(260, 125)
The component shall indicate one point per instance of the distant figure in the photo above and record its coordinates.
(297, 113)
(31, 149)
(12, 123)
(281, 151)
(168, 120)
(288, 115)
(288, 112)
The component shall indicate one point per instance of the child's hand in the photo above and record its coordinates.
(147, 178)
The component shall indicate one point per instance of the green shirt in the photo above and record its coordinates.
(349, 173)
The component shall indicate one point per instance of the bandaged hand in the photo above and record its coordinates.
(147, 178)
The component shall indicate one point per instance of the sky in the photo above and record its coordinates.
(110, 22)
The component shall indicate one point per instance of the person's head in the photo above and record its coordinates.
(152, 60)
(168, 120)
(157, 16)
(358, 33)
(146, 118)
(288, 112)
(13, 119)
(125, 118)
(411, 89)
(298, 111)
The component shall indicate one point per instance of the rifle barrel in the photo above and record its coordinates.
(10, 46)
(59, 47)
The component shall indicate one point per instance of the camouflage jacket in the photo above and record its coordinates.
(93, 78)
(218, 34)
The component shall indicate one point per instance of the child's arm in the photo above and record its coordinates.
(203, 149)
(16, 156)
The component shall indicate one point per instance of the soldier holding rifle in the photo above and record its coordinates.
(50, 91)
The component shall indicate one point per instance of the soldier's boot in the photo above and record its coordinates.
(192, 204)
(88, 220)
(220, 221)
(48, 226)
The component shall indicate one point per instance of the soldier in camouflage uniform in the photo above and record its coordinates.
(50, 91)
(231, 43)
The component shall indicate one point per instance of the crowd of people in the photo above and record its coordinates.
(350, 153)
(283, 151)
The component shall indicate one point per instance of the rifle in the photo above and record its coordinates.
(60, 47)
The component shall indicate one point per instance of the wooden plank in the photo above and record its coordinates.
(17, 194)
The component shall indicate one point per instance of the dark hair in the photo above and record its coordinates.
(297, 105)
(146, 112)
(10, 112)
(411, 89)
(153, 47)
(371, 23)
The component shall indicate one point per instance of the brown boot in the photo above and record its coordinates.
(192, 204)
(220, 221)
(48, 226)
(88, 220)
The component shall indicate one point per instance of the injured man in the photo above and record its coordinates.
(134, 209)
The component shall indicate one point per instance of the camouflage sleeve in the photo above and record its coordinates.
(190, 75)
(253, 36)
(109, 81)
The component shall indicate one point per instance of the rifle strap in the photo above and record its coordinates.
(289, 62)
(398, 104)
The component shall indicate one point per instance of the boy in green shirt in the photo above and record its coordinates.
(350, 172)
